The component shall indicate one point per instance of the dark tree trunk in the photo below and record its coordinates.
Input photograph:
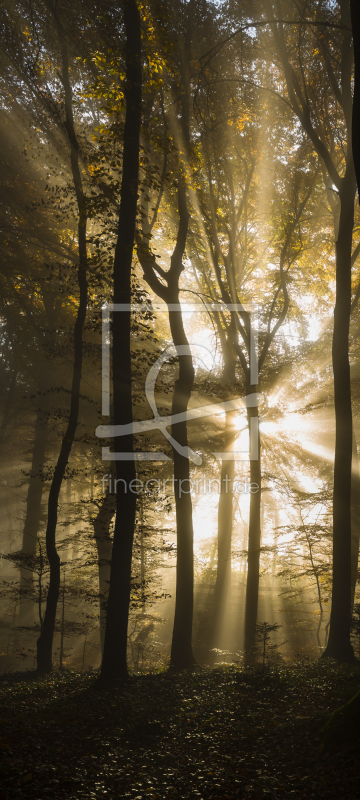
(355, 23)
(339, 645)
(114, 664)
(252, 583)
(225, 527)
(45, 640)
(103, 541)
(225, 512)
(33, 513)
(355, 488)
(355, 519)
(181, 648)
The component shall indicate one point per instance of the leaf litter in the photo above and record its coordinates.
(224, 733)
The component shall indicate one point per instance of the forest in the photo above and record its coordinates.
(179, 402)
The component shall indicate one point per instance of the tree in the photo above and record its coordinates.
(44, 644)
(311, 105)
(169, 290)
(263, 631)
(114, 665)
(355, 128)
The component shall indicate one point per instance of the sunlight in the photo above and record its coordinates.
(213, 224)
(270, 428)
(204, 518)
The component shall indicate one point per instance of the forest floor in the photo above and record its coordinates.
(222, 733)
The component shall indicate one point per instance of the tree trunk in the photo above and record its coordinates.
(33, 513)
(225, 527)
(181, 648)
(252, 583)
(339, 645)
(355, 489)
(114, 664)
(142, 558)
(355, 519)
(355, 23)
(45, 640)
(103, 541)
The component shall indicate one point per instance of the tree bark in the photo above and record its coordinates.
(252, 583)
(103, 542)
(225, 511)
(181, 648)
(339, 645)
(355, 519)
(225, 528)
(355, 23)
(114, 663)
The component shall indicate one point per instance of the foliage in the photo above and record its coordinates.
(263, 631)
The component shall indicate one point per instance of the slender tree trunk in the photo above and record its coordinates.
(225, 527)
(103, 541)
(355, 489)
(33, 513)
(181, 648)
(355, 23)
(355, 519)
(339, 645)
(114, 664)
(142, 558)
(225, 512)
(252, 583)
(45, 641)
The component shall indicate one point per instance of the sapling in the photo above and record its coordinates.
(263, 631)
